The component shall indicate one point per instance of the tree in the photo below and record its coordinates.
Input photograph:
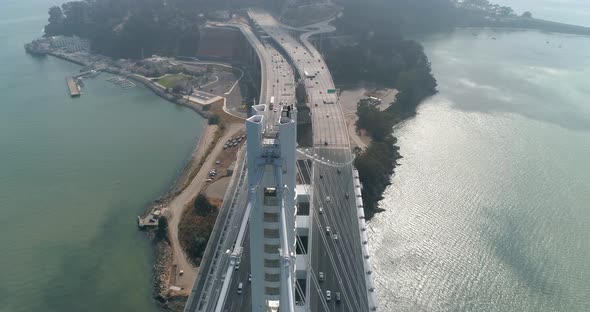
(202, 205)
(56, 21)
(506, 11)
(527, 14)
(197, 247)
(178, 88)
(162, 231)
(214, 119)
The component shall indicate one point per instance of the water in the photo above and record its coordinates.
(74, 173)
(489, 210)
(566, 11)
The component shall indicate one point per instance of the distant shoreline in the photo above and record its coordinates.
(531, 24)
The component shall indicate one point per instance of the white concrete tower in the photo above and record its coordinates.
(271, 179)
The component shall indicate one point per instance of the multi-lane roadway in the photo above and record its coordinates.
(338, 254)
(338, 257)
(278, 83)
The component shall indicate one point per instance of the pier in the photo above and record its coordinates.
(73, 87)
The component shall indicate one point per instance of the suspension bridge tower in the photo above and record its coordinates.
(271, 161)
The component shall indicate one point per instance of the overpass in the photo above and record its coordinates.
(320, 241)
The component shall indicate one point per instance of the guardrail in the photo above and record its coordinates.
(370, 285)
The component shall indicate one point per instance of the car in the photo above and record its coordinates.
(321, 210)
(337, 297)
(181, 272)
(346, 195)
(217, 162)
(335, 236)
(328, 295)
(250, 278)
(327, 115)
(321, 176)
(338, 170)
(240, 287)
(237, 266)
(327, 230)
(321, 276)
(326, 143)
(328, 199)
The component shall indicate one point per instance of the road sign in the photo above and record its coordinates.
(331, 91)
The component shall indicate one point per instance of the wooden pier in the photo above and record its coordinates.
(73, 87)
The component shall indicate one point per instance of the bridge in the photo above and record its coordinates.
(291, 235)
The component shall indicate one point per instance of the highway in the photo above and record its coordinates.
(208, 281)
(328, 121)
(281, 87)
(278, 81)
(341, 259)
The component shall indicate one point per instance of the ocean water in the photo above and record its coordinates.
(490, 208)
(74, 174)
(575, 12)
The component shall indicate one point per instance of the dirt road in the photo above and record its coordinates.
(175, 207)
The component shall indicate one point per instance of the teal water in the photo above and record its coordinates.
(74, 174)
(490, 208)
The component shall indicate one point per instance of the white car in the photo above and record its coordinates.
(321, 276)
(335, 237)
(321, 210)
(327, 230)
(328, 295)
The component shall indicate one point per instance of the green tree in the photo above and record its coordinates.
(202, 205)
(527, 14)
(197, 247)
(56, 21)
(178, 87)
(162, 232)
(214, 119)
(506, 11)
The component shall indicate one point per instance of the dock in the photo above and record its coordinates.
(73, 87)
